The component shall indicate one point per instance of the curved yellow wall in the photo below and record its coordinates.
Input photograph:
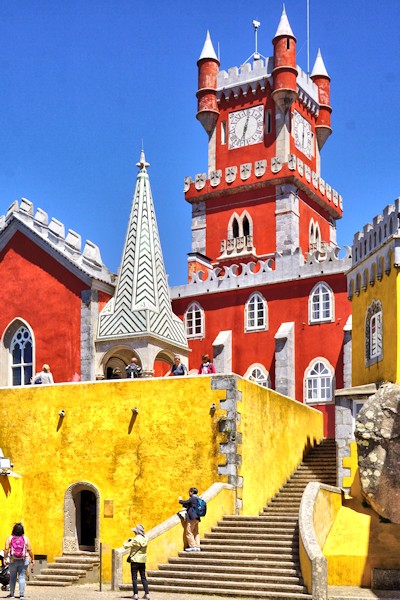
(387, 291)
(275, 433)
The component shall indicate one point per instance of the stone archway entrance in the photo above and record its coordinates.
(81, 518)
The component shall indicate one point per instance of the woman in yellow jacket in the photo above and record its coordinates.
(137, 558)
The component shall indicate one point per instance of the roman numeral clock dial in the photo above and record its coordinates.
(246, 127)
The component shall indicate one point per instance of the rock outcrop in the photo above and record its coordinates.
(378, 442)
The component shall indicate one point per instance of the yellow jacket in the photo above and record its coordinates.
(138, 548)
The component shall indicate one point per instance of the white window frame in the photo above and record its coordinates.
(194, 312)
(258, 374)
(21, 329)
(325, 303)
(319, 382)
(254, 310)
(374, 333)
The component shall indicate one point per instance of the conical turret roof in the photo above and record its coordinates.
(141, 306)
(208, 49)
(284, 26)
(319, 67)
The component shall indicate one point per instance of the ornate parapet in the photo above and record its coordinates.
(52, 231)
(260, 171)
(280, 268)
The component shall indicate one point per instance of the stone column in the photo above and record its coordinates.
(89, 316)
(222, 346)
(347, 353)
(199, 227)
(287, 219)
(284, 360)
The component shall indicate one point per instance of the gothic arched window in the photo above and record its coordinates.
(374, 333)
(318, 382)
(194, 321)
(21, 351)
(246, 226)
(235, 228)
(258, 374)
(256, 317)
(321, 304)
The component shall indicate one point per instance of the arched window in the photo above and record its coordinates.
(235, 228)
(256, 313)
(194, 321)
(318, 382)
(314, 236)
(246, 226)
(374, 333)
(21, 351)
(258, 374)
(321, 304)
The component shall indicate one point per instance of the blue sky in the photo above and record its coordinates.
(84, 82)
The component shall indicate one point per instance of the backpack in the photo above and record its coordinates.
(18, 546)
(201, 507)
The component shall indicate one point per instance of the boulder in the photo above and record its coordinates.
(377, 434)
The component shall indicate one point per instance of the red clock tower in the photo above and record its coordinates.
(266, 287)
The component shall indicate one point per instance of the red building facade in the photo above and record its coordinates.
(267, 290)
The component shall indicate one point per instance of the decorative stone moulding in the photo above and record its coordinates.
(307, 172)
(335, 197)
(276, 164)
(230, 174)
(215, 177)
(200, 181)
(260, 167)
(292, 162)
(186, 183)
(245, 171)
(314, 178)
(300, 166)
(340, 202)
(328, 191)
(322, 186)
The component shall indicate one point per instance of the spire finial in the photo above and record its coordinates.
(142, 161)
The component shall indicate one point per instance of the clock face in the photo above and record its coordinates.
(246, 127)
(302, 134)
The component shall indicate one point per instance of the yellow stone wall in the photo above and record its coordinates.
(141, 464)
(387, 291)
(275, 433)
(359, 542)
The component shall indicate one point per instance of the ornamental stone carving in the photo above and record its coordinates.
(245, 171)
(328, 192)
(307, 172)
(260, 167)
(300, 166)
(200, 181)
(215, 177)
(322, 186)
(378, 442)
(276, 164)
(230, 174)
(335, 197)
(292, 162)
(314, 180)
(186, 183)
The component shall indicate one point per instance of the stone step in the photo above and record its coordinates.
(227, 574)
(65, 578)
(259, 554)
(77, 560)
(286, 530)
(63, 571)
(256, 569)
(45, 582)
(227, 583)
(212, 590)
(197, 559)
(222, 535)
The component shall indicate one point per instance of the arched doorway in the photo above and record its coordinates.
(81, 518)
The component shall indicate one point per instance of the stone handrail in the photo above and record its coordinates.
(314, 565)
(163, 528)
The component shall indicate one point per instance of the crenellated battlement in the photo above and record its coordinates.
(375, 250)
(283, 267)
(53, 233)
(251, 77)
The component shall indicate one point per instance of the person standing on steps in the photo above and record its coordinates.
(16, 553)
(137, 558)
(192, 521)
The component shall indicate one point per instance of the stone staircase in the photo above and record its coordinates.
(255, 557)
(69, 569)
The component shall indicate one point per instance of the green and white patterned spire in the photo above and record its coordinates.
(141, 306)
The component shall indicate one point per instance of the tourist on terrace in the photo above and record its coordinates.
(207, 366)
(44, 377)
(178, 368)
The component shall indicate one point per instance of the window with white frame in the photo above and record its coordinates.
(314, 236)
(321, 304)
(256, 313)
(258, 374)
(21, 351)
(194, 321)
(374, 333)
(318, 382)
